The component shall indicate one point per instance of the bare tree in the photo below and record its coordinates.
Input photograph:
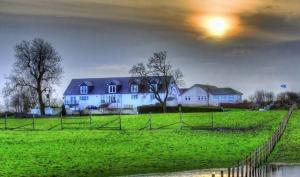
(288, 98)
(269, 97)
(37, 66)
(260, 97)
(159, 75)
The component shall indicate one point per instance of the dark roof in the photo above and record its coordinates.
(215, 90)
(182, 90)
(87, 83)
(100, 85)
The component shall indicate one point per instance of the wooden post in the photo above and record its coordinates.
(233, 169)
(33, 126)
(238, 169)
(222, 175)
(5, 121)
(212, 120)
(242, 170)
(61, 122)
(90, 117)
(246, 171)
(213, 175)
(229, 171)
(150, 121)
(120, 121)
(180, 117)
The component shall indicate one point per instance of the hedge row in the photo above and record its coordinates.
(237, 105)
(186, 109)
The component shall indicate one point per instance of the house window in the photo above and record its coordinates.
(84, 98)
(83, 90)
(112, 99)
(153, 87)
(187, 98)
(223, 97)
(134, 97)
(112, 89)
(231, 97)
(73, 100)
(216, 97)
(102, 99)
(134, 88)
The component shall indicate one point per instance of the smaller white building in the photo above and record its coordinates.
(208, 95)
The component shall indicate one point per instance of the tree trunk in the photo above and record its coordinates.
(41, 102)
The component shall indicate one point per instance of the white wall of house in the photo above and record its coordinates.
(121, 100)
(193, 97)
(196, 96)
(217, 99)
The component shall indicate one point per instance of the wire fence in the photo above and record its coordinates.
(181, 121)
(254, 165)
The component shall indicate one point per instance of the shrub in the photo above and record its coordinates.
(159, 109)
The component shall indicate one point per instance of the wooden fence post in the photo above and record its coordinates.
(222, 175)
(120, 121)
(5, 121)
(246, 170)
(61, 122)
(33, 126)
(229, 171)
(238, 169)
(242, 169)
(90, 118)
(150, 121)
(212, 119)
(180, 117)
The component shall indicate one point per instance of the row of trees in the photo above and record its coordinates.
(262, 98)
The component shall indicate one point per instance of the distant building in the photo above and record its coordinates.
(115, 92)
(203, 95)
(129, 93)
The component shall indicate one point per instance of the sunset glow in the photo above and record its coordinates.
(217, 26)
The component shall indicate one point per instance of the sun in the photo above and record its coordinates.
(217, 26)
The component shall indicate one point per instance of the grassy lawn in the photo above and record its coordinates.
(78, 151)
(287, 150)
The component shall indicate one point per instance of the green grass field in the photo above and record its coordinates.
(82, 150)
(287, 150)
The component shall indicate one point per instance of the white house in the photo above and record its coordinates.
(115, 92)
(129, 93)
(203, 95)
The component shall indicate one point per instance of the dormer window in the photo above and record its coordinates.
(134, 88)
(83, 90)
(153, 88)
(112, 89)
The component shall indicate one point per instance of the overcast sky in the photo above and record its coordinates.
(104, 38)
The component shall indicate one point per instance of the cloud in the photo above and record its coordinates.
(271, 24)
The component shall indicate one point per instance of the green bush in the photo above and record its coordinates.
(175, 109)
